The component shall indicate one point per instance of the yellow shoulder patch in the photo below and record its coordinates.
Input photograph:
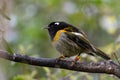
(56, 37)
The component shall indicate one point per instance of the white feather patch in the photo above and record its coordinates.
(57, 23)
(78, 34)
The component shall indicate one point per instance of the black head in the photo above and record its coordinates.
(57, 25)
(53, 27)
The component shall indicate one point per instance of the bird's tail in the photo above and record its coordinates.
(102, 54)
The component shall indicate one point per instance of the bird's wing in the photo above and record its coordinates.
(83, 33)
(80, 40)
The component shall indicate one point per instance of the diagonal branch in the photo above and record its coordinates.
(107, 67)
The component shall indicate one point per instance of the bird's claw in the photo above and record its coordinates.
(60, 58)
(75, 60)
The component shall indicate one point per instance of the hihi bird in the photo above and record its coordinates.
(70, 41)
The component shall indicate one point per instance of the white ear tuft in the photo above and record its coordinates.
(57, 23)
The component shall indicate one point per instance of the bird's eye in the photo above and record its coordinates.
(57, 23)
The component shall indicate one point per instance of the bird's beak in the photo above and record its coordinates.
(46, 27)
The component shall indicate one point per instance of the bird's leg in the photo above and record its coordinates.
(62, 57)
(75, 59)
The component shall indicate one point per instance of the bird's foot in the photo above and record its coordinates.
(75, 60)
(62, 57)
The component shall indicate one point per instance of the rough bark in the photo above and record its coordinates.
(107, 67)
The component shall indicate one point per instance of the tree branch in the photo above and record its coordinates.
(107, 67)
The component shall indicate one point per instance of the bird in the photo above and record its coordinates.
(70, 41)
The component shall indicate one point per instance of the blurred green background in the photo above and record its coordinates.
(99, 19)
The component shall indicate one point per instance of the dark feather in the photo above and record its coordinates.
(102, 54)
(83, 43)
